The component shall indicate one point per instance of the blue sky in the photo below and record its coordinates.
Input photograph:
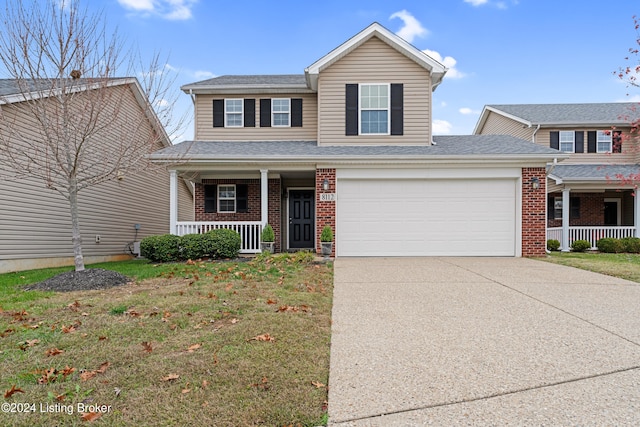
(498, 51)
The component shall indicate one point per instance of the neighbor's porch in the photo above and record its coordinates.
(592, 215)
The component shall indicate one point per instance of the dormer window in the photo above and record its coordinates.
(374, 109)
(604, 141)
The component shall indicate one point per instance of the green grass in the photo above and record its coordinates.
(624, 266)
(200, 322)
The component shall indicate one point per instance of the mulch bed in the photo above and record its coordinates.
(89, 279)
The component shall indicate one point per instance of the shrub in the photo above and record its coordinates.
(327, 234)
(192, 246)
(223, 243)
(580, 245)
(163, 248)
(631, 244)
(268, 234)
(610, 245)
(553, 244)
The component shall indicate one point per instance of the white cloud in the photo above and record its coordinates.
(476, 3)
(447, 61)
(173, 10)
(441, 127)
(466, 111)
(203, 75)
(412, 27)
(500, 4)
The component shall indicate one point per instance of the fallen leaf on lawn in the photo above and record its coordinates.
(186, 390)
(193, 348)
(166, 315)
(263, 384)
(60, 397)
(272, 301)
(87, 375)
(53, 352)
(48, 376)
(91, 416)
(228, 287)
(73, 306)
(117, 391)
(84, 314)
(318, 384)
(28, 343)
(12, 391)
(263, 337)
(205, 383)
(102, 338)
(68, 329)
(171, 377)
(234, 321)
(103, 367)
(147, 346)
(68, 371)
(189, 262)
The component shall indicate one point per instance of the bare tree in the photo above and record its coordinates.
(63, 63)
(630, 73)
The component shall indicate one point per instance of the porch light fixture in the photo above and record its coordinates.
(325, 184)
(535, 183)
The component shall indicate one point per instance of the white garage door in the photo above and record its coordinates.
(426, 217)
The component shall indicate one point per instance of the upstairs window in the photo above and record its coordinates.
(604, 141)
(233, 113)
(567, 141)
(281, 112)
(374, 109)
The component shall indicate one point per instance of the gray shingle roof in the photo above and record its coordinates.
(10, 87)
(281, 80)
(578, 114)
(493, 146)
(600, 172)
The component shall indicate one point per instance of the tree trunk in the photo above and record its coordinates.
(75, 225)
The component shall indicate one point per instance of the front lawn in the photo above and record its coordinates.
(225, 344)
(625, 266)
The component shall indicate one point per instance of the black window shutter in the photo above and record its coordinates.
(579, 142)
(296, 112)
(351, 109)
(218, 113)
(616, 141)
(397, 109)
(574, 207)
(591, 141)
(210, 198)
(554, 137)
(242, 198)
(249, 113)
(265, 113)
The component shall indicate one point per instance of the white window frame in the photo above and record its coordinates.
(386, 108)
(220, 198)
(557, 208)
(604, 136)
(566, 133)
(281, 112)
(235, 113)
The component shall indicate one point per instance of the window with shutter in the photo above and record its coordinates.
(374, 109)
(617, 141)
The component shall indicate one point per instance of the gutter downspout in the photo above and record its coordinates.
(193, 97)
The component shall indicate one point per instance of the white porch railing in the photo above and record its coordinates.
(590, 233)
(249, 232)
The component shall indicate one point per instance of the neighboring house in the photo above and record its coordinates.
(35, 222)
(349, 144)
(592, 194)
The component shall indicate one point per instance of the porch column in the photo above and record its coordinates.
(636, 212)
(565, 219)
(264, 196)
(173, 201)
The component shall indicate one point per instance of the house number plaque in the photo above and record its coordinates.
(328, 197)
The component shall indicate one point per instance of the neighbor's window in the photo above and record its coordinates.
(226, 198)
(567, 141)
(604, 141)
(233, 113)
(374, 109)
(281, 112)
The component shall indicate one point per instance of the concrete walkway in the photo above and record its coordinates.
(482, 341)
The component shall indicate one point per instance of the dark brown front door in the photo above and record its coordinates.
(301, 219)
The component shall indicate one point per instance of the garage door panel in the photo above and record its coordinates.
(426, 217)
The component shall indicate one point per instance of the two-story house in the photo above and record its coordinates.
(592, 194)
(349, 144)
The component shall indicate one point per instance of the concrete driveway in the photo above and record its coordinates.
(482, 341)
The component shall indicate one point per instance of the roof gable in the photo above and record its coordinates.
(436, 69)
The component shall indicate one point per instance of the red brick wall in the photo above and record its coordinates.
(254, 212)
(325, 211)
(534, 214)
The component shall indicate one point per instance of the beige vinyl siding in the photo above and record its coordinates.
(186, 210)
(35, 221)
(204, 130)
(374, 62)
(497, 124)
(629, 152)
